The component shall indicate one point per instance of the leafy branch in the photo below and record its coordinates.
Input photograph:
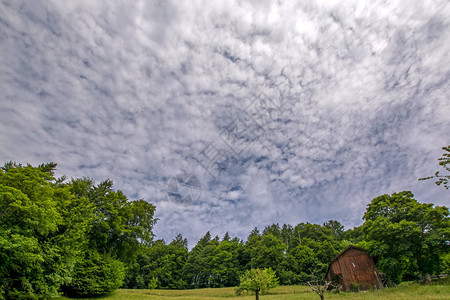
(444, 161)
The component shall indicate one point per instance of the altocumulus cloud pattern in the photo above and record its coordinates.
(284, 111)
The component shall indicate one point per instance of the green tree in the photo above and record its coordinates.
(337, 229)
(287, 235)
(42, 228)
(321, 242)
(354, 235)
(409, 238)
(257, 281)
(225, 265)
(267, 251)
(303, 261)
(119, 226)
(273, 229)
(226, 237)
(161, 263)
(118, 231)
(95, 275)
(197, 272)
(214, 264)
(444, 161)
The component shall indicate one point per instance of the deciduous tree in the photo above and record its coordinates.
(408, 237)
(42, 229)
(257, 281)
(117, 232)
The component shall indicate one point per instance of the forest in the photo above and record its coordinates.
(81, 238)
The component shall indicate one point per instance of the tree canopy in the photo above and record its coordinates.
(257, 281)
(86, 239)
(408, 237)
(42, 228)
(65, 235)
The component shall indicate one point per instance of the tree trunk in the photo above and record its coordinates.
(257, 295)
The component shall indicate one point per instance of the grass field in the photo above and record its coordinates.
(404, 291)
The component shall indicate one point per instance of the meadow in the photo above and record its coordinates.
(404, 291)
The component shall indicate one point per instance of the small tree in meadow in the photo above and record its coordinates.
(257, 281)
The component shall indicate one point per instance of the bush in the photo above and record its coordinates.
(96, 275)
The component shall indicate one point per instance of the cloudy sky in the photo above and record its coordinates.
(282, 111)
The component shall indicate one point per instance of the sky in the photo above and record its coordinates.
(230, 115)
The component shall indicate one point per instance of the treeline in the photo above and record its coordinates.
(292, 252)
(85, 239)
(408, 239)
(73, 237)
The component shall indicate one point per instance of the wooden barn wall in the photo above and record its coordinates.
(336, 267)
(355, 267)
(358, 267)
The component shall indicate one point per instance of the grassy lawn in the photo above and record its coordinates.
(404, 291)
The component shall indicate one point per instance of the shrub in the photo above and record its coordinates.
(96, 275)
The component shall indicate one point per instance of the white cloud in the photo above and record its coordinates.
(135, 91)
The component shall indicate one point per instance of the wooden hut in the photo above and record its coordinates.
(353, 268)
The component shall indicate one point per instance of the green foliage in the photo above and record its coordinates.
(446, 264)
(313, 247)
(266, 251)
(119, 227)
(214, 263)
(153, 284)
(336, 228)
(409, 238)
(85, 237)
(197, 270)
(225, 263)
(304, 261)
(76, 234)
(160, 262)
(42, 226)
(354, 235)
(444, 161)
(96, 275)
(119, 230)
(257, 281)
